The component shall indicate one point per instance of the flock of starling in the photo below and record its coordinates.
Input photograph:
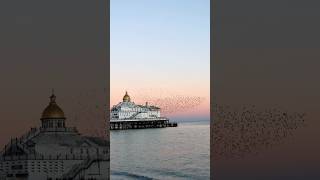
(176, 103)
(238, 132)
(169, 102)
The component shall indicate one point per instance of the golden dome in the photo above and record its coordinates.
(52, 111)
(126, 97)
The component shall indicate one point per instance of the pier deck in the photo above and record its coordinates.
(140, 124)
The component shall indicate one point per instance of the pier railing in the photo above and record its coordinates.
(33, 132)
(140, 119)
(75, 169)
(99, 156)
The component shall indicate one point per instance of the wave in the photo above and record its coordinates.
(130, 175)
(177, 174)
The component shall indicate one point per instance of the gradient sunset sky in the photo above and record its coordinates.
(160, 50)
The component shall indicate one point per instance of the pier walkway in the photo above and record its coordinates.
(140, 123)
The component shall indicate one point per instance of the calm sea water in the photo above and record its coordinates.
(166, 153)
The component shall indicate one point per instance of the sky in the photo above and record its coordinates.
(160, 49)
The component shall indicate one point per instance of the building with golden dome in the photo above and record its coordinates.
(129, 110)
(128, 115)
(55, 151)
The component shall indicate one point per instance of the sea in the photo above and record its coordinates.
(162, 153)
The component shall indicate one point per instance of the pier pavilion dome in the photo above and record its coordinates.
(126, 97)
(53, 111)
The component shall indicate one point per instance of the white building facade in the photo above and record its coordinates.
(127, 110)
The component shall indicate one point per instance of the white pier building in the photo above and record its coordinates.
(128, 115)
(127, 110)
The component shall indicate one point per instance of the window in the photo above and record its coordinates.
(16, 167)
(50, 124)
(59, 124)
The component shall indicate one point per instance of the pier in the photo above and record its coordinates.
(128, 115)
(140, 124)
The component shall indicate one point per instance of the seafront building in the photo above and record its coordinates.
(128, 115)
(129, 110)
(55, 152)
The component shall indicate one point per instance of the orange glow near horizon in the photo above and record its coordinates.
(172, 103)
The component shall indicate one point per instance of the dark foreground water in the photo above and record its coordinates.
(165, 153)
